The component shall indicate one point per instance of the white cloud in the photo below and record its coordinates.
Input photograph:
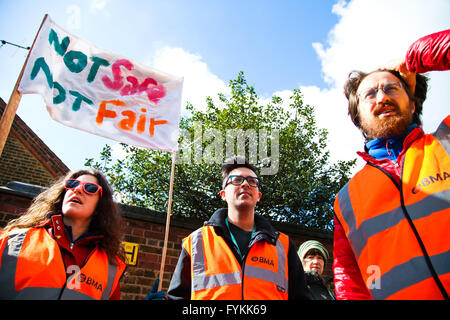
(199, 81)
(368, 34)
(331, 113)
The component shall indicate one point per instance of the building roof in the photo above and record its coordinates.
(40, 151)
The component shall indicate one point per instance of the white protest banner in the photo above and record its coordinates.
(93, 90)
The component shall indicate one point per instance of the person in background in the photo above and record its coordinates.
(67, 245)
(391, 219)
(237, 254)
(314, 256)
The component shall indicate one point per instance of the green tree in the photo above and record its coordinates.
(302, 191)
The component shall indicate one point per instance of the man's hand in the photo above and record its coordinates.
(400, 66)
(156, 295)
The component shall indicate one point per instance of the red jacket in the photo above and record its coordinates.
(431, 52)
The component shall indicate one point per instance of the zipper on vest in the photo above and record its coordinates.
(243, 270)
(62, 289)
(253, 240)
(242, 278)
(388, 174)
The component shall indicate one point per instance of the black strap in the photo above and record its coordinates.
(422, 247)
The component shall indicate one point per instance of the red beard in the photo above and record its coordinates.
(386, 127)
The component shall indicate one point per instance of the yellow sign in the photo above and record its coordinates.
(131, 251)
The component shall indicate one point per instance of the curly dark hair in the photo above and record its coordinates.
(356, 77)
(105, 219)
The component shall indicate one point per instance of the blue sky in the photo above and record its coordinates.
(280, 46)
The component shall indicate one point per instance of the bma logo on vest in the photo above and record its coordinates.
(91, 282)
(263, 260)
(430, 180)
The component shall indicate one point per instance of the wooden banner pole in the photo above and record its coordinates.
(169, 211)
(11, 108)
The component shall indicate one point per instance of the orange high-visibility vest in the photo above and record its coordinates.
(217, 275)
(399, 234)
(31, 267)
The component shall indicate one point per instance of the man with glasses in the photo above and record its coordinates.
(391, 219)
(237, 254)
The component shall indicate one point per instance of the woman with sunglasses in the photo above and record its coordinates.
(66, 245)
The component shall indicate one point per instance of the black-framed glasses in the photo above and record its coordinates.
(390, 88)
(238, 180)
(88, 187)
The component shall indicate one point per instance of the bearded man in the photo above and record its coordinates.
(392, 218)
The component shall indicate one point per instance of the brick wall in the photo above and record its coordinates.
(17, 163)
(146, 228)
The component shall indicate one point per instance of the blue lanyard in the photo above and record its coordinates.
(234, 239)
